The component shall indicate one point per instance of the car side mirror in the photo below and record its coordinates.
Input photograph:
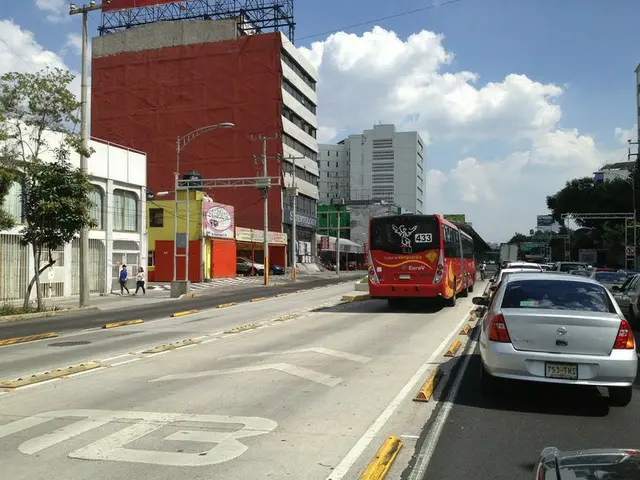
(491, 280)
(493, 287)
(481, 301)
(615, 288)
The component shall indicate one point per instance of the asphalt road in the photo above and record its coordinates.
(161, 309)
(501, 438)
(306, 397)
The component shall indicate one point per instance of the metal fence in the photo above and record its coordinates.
(96, 266)
(14, 267)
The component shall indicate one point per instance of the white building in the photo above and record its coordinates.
(379, 164)
(614, 171)
(300, 124)
(119, 178)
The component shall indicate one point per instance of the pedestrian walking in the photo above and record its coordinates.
(140, 281)
(124, 276)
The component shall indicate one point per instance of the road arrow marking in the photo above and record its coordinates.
(312, 375)
(324, 351)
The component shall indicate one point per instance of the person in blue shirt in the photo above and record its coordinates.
(124, 276)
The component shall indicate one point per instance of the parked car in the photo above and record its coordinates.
(245, 266)
(581, 273)
(622, 463)
(545, 327)
(276, 269)
(625, 293)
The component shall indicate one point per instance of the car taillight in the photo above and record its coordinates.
(498, 330)
(624, 339)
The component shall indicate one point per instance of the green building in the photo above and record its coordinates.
(328, 221)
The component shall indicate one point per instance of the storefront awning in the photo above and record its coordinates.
(345, 246)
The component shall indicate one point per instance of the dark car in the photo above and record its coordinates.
(603, 464)
(276, 269)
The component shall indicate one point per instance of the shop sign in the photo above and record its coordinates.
(302, 220)
(217, 220)
(257, 236)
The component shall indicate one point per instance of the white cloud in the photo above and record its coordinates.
(56, 11)
(410, 82)
(21, 52)
(623, 135)
(74, 45)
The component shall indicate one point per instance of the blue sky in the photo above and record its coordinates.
(588, 48)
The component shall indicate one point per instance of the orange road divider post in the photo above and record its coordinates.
(453, 349)
(29, 338)
(182, 314)
(123, 324)
(466, 329)
(380, 464)
(227, 305)
(429, 386)
(259, 299)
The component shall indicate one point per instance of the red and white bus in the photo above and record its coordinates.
(419, 256)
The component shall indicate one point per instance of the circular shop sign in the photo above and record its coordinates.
(219, 219)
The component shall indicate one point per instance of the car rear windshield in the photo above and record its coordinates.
(610, 277)
(567, 267)
(557, 295)
(405, 233)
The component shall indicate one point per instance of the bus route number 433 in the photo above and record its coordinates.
(423, 238)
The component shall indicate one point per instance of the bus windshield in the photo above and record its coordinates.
(405, 233)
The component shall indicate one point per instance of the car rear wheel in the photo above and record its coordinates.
(451, 302)
(620, 396)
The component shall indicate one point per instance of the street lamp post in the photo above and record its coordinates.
(181, 143)
(84, 131)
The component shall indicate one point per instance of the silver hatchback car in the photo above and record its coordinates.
(557, 328)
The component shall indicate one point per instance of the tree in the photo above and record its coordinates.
(57, 207)
(38, 119)
(519, 238)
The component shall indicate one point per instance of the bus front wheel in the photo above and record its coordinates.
(451, 302)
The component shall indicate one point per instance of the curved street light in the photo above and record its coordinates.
(182, 142)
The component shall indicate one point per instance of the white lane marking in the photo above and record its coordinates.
(126, 361)
(138, 424)
(357, 450)
(429, 447)
(108, 359)
(414, 437)
(301, 372)
(325, 351)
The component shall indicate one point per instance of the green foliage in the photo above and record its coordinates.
(6, 180)
(519, 238)
(57, 204)
(38, 118)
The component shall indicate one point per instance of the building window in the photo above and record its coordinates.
(151, 258)
(306, 205)
(96, 197)
(12, 203)
(299, 147)
(297, 94)
(298, 70)
(298, 121)
(125, 211)
(156, 217)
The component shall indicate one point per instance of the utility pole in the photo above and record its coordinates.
(264, 187)
(294, 235)
(84, 130)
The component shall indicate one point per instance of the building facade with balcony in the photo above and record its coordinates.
(118, 176)
(159, 81)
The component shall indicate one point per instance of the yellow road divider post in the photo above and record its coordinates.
(171, 346)
(453, 348)
(123, 324)
(226, 305)
(282, 294)
(28, 338)
(243, 328)
(259, 299)
(380, 464)
(466, 329)
(182, 314)
(42, 377)
(429, 386)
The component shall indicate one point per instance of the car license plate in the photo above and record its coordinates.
(566, 371)
(404, 276)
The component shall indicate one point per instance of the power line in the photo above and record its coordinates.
(388, 17)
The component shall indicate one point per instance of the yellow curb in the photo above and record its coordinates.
(300, 291)
(453, 349)
(29, 338)
(259, 299)
(41, 377)
(243, 328)
(282, 295)
(122, 324)
(380, 464)
(182, 314)
(188, 295)
(225, 305)
(172, 346)
(465, 330)
(355, 298)
(429, 386)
